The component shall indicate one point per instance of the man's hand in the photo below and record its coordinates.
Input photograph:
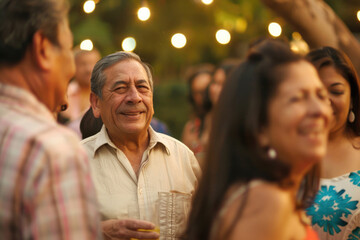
(127, 228)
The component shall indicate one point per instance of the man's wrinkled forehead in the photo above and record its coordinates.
(118, 74)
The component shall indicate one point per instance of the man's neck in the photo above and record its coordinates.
(14, 76)
(133, 147)
(23, 75)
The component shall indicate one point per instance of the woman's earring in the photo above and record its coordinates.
(351, 117)
(271, 153)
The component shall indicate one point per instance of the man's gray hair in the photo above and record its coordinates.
(20, 20)
(98, 77)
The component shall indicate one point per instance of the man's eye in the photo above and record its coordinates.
(122, 88)
(143, 87)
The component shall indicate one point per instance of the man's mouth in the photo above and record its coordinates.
(132, 113)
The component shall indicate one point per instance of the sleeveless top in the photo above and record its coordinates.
(335, 214)
(310, 233)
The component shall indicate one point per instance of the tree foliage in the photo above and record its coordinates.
(113, 20)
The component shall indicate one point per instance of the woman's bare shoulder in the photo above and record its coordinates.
(265, 206)
(269, 197)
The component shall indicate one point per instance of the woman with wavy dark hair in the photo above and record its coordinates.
(269, 133)
(335, 214)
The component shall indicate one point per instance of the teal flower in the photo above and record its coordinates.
(355, 178)
(329, 208)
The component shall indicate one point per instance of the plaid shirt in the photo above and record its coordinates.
(45, 187)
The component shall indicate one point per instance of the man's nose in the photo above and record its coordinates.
(133, 95)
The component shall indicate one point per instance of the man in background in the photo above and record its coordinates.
(79, 88)
(45, 186)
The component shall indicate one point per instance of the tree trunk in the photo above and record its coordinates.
(318, 25)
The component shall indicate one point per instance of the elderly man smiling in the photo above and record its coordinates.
(137, 172)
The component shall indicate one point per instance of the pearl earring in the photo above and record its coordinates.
(351, 117)
(272, 153)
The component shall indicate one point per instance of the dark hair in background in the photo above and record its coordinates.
(328, 56)
(227, 66)
(234, 153)
(197, 71)
(20, 19)
(89, 124)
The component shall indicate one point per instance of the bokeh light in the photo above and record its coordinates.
(296, 36)
(143, 13)
(89, 6)
(178, 40)
(223, 36)
(274, 29)
(240, 25)
(86, 45)
(207, 2)
(128, 44)
(358, 15)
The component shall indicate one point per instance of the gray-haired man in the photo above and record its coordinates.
(135, 168)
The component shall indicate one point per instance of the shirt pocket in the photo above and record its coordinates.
(174, 209)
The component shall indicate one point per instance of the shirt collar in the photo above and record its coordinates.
(103, 138)
(24, 101)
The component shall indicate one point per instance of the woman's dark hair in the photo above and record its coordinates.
(89, 124)
(328, 56)
(199, 111)
(234, 154)
(227, 66)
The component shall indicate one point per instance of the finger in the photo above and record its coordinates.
(146, 235)
(135, 224)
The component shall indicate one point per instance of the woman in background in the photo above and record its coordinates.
(211, 97)
(198, 81)
(335, 214)
(269, 133)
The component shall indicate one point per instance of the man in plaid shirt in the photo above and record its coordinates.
(45, 187)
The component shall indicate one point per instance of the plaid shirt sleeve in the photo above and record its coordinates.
(55, 195)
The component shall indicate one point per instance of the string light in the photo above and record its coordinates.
(223, 36)
(207, 2)
(296, 36)
(143, 13)
(89, 6)
(86, 45)
(128, 44)
(178, 40)
(274, 29)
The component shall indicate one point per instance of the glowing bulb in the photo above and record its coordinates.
(274, 29)
(296, 36)
(207, 2)
(89, 6)
(358, 15)
(223, 36)
(86, 45)
(128, 44)
(178, 40)
(143, 13)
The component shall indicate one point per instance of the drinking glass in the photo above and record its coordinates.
(147, 212)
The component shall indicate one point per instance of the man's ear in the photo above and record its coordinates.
(43, 51)
(95, 102)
